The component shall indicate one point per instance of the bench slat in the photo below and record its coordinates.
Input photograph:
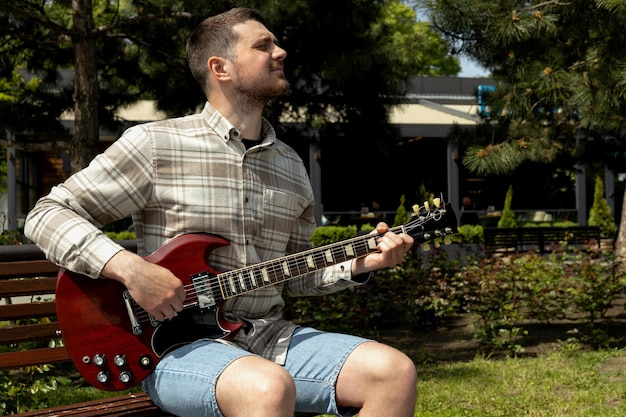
(29, 333)
(125, 405)
(28, 286)
(28, 268)
(31, 357)
(27, 310)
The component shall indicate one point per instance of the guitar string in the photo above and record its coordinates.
(276, 267)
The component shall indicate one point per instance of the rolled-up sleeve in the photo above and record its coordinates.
(66, 223)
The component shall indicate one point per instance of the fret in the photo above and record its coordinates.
(341, 254)
(221, 280)
(300, 266)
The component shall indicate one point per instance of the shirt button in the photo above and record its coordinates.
(246, 199)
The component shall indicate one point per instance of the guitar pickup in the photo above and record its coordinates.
(200, 283)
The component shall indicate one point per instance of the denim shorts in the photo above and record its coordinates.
(183, 382)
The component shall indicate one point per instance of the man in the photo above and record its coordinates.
(223, 171)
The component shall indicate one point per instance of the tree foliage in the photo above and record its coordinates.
(560, 67)
(340, 58)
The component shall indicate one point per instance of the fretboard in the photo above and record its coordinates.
(239, 281)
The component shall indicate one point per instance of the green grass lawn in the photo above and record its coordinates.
(561, 383)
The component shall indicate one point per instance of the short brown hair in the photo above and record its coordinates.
(214, 36)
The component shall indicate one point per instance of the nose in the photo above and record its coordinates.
(279, 53)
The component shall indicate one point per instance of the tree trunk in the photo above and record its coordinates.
(620, 243)
(84, 143)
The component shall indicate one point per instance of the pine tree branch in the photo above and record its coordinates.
(548, 3)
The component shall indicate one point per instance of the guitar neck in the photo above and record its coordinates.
(264, 274)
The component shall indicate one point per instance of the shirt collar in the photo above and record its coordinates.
(227, 131)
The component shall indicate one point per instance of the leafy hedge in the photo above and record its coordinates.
(501, 293)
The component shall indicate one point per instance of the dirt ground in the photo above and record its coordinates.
(454, 341)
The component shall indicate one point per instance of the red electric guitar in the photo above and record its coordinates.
(115, 344)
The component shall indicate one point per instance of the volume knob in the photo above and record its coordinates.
(103, 377)
(125, 377)
(119, 360)
(99, 359)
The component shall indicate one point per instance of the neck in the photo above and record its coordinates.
(246, 118)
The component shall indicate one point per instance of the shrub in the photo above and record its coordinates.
(600, 212)
(508, 217)
(8, 237)
(30, 391)
(468, 233)
(123, 235)
(504, 292)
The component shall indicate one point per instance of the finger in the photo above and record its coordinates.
(181, 294)
(382, 228)
(158, 316)
(169, 313)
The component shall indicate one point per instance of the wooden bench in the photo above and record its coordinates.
(27, 285)
(539, 239)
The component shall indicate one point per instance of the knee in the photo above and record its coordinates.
(400, 368)
(407, 370)
(275, 389)
(253, 386)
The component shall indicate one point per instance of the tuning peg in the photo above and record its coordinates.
(437, 202)
(426, 246)
(447, 240)
(436, 243)
(416, 208)
(426, 205)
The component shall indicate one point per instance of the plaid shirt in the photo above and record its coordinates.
(194, 174)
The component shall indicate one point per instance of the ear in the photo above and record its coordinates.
(218, 68)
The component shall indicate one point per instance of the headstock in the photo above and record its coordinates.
(434, 223)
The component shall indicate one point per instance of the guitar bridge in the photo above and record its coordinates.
(132, 315)
(203, 292)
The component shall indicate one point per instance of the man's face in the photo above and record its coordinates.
(258, 67)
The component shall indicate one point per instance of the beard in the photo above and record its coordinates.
(257, 92)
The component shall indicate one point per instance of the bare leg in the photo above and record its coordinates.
(379, 380)
(254, 387)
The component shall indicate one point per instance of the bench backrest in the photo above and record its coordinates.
(29, 333)
(27, 313)
(541, 238)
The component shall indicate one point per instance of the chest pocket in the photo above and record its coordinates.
(280, 210)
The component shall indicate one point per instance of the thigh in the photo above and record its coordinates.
(314, 360)
(184, 381)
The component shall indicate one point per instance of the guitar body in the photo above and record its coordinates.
(113, 343)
